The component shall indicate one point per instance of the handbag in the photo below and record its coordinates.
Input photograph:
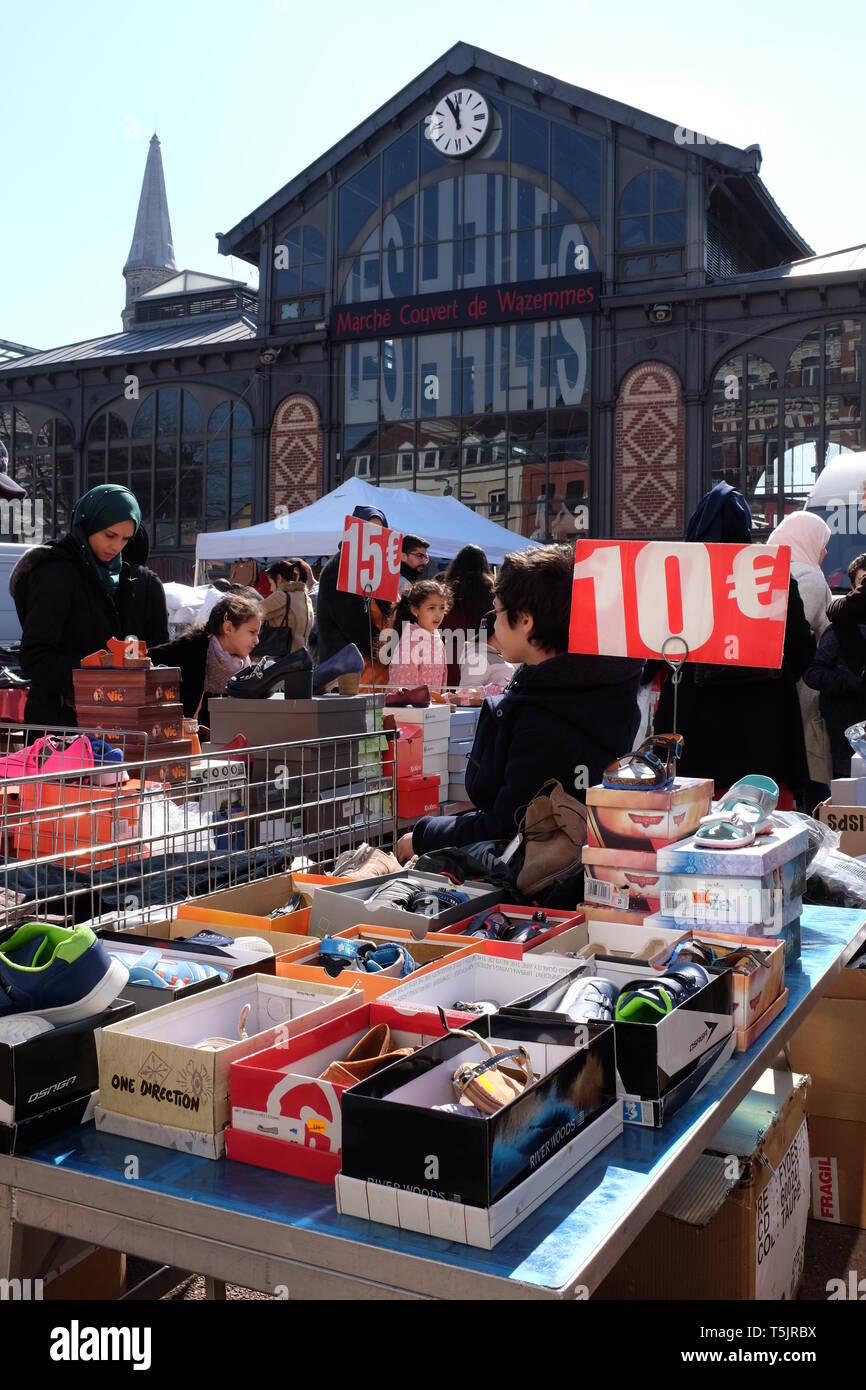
(274, 641)
(553, 831)
(49, 757)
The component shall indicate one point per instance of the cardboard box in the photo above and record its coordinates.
(753, 993)
(23, 1135)
(463, 722)
(55, 1067)
(620, 878)
(596, 912)
(432, 718)
(409, 746)
(181, 930)
(717, 1237)
(393, 1135)
(771, 900)
(161, 723)
(339, 906)
(278, 1096)
(144, 997)
(151, 1067)
(276, 720)
(555, 923)
(304, 964)
(417, 796)
(196, 1142)
(494, 979)
(785, 844)
(457, 790)
(829, 1046)
(436, 765)
(250, 904)
(644, 821)
(483, 1227)
(838, 1174)
(849, 821)
(112, 686)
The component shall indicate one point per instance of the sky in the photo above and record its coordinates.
(245, 96)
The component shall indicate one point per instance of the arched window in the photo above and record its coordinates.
(300, 272)
(229, 486)
(39, 445)
(651, 214)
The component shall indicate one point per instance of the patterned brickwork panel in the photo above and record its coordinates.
(649, 454)
(295, 474)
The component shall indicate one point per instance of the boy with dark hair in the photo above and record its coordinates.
(563, 716)
(838, 672)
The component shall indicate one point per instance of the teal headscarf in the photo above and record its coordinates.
(101, 507)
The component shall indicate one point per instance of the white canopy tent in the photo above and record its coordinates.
(318, 529)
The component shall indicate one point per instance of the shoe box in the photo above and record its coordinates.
(338, 906)
(144, 997)
(109, 687)
(463, 1177)
(152, 1068)
(457, 790)
(53, 1068)
(829, 1046)
(161, 723)
(23, 1135)
(659, 1065)
(304, 961)
(719, 1236)
(92, 826)
(849, 822)
(165, 761)
(785, 844)
(489, 977)
(177, 933)
(418, 796)
(645, 821)
(624, 879)
(409, 744)
(434, 721)
(360, 805)
(458, 756)
(761, 885)
(277, 720)
(463, 723)
(555, 922)
(283, 1115)
(250, 904)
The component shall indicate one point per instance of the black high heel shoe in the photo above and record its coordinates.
(293, 672)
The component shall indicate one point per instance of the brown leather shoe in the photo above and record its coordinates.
(369, 1055)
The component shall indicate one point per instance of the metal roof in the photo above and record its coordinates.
(151, 241)
(143, 340)
(848, 262)
(192, 280)
(458, 60)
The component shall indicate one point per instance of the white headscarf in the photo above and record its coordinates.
(805, 534)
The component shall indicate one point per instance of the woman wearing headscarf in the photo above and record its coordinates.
(737, 719)
(73, 595)
(807, 536)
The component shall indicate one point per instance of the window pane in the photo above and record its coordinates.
(529, 139)
(484, 370)
(527, 375)
(669, 263)
(23, 432)
(165, 511)
(219, 418)
(312, 308)
(141, 486)
(241, 507)
(725, 453)
(118, 466)
(290, 310)
(485, 261)
(401, 163)
(168, 411)
(360, 279)
(398, 270)
(97, 428)
(117, 427)
(762, 374)
(728, 382)
(193, 419)
(564, 242)
(359, 201)
(484, 449)
(398, 228)
(843, 411)
(801, 464)
(635, 267)
(804, 364)
(314, 245)
(241, 417)
(438, 375)
(361, 368)
(483, 204)
(242, 450)
(529, 255)
(668, 191)
(6, 426)
(577, 170)
(436, 457)
(398, 379)
(64, 499)
(191, 491)
(669, 226)
(398, 469)
(46, 433)
(441, 210)
(569, 362)
(802, 412)
(530, 204)
(634, 231)
(143, 422)
(287, 280)
(635, 196)
(216, 479)
(439, 267)
(843, 352)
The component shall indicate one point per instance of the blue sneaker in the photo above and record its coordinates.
(151, 969)
(104, 753)
(61, 973)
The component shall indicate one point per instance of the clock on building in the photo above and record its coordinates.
(459, 122)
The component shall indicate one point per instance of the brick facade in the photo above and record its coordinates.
(296, 455)
(649, 454)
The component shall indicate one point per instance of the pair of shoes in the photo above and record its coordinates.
(590, 998)
(418, 696)
(10, 680)
(297, 902)
(488, 1085)
(61, 973)
(493, 925)
(153, 969)
(371, 1054)
(650, 767)
(343, 669)
(217, 1044)
(237, 947)
(366, 862)
(411, 897)
(293, 672)
(647, 1001)
(338, 953)
(743, 812)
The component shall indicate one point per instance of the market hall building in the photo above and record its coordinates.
(571, 315)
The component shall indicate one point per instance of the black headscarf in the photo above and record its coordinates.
(723, 515)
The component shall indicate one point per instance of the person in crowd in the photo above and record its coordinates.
(564, 715)
(418, 654)
(838, 672)
(807, 536)
(210, 653)
(734, 719)
(342, 618)
(413, 561)
(287, 606)
(72, 595)
(153, 605)
(283, 572)
(470, 580)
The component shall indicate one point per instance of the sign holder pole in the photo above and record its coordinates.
(368, 599)
(676, 664)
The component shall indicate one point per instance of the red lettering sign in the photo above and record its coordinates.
(728, 602)
(370, 560)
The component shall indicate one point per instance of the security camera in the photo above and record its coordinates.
(660, 313)
(268, 356)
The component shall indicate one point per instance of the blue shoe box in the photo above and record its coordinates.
(56, 1067)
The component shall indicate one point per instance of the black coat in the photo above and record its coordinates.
(189, 652)
(839, 673)
(566, 713)
(341, 618)
(66, 613)
(736, 721)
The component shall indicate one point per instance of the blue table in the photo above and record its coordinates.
(278, 1234)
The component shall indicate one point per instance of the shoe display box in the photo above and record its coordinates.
(430, 953)
(22, 1135)
(620, 878)
(655, 1059)
(718, 1237)
(58, 1066)
(176, 933)
(146, 997)
(166, 762)
(463, 723)
(346, 807)
(152, 1068)
(409, 745)
(393, 1136)
(434, 721)
(785, 844)
(276, 720)
(458, 755)
(849, 822)
(829, 1046)
(457, 789)
(339, 906)
(283, 1115)
(417, 796)
(112, 686)
(161, 723)
(557, 922)
(250, 904)
(489, 977)
(645, 821)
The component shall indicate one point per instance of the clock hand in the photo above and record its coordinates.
(455, 111)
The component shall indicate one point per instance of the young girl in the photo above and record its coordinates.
(418, 658)
(210, 653)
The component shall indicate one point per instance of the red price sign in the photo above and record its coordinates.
(727, 602)
(370, 560)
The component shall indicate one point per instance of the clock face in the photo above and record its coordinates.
(459, 122)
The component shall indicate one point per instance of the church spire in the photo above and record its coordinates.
(151, 255)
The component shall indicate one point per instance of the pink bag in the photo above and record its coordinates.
(49, 757)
